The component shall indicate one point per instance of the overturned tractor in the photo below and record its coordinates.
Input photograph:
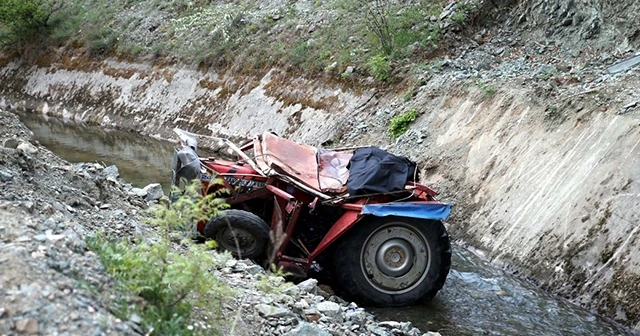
(357, 214)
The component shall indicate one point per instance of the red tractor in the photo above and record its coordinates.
(356, 214)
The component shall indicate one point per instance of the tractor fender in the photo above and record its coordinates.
(423, 210)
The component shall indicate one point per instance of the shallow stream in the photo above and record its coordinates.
(477, 299)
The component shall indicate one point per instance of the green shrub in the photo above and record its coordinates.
(459, 17)
(400, 124)
(379, 67)
(298, 55)
(487, 90)
(24, 19)
(171, 281)
(102, 39)
(376, 18)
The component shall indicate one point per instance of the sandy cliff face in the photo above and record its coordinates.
(153, 100)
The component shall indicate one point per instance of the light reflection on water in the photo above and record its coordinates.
(480, 299)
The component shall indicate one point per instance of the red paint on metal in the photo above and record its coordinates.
(298, 187)
(338, 229)
(228, 167)
(258, 193)
(200, 226)
(280, 193)
(352, 207)
(290, 226)
(247, 146)
(423, 188)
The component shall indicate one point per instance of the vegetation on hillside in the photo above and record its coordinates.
(168, 274)
(400, 123)
(371, 36)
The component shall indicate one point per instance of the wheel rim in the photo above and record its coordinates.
(237, 241)
(395, 258)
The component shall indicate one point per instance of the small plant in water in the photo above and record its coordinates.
(400, 123)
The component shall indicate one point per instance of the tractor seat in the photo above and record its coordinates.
(321, 170)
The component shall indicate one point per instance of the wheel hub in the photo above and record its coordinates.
(237, 239)
(395, 258)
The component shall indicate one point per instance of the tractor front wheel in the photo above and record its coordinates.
(393, 261)
(242, 233)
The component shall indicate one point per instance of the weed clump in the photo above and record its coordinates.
(400, 124)
(487, 90)
(169, 274)
(379, 67)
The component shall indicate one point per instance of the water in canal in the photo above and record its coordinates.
(478, 299)
(140, 160)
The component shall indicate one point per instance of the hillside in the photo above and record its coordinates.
(523, 114)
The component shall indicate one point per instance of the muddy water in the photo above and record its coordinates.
(140, 160)
(478, 299)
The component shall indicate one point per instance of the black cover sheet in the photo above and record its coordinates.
(373, 170)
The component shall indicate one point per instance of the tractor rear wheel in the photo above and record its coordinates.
(242, 233)
(393, 261)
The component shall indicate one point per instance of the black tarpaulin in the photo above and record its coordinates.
(373, 170)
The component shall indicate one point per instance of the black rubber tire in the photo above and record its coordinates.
(249, 230)
(360, 285)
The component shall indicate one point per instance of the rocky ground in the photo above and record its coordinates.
(51, 284)
(47, 208)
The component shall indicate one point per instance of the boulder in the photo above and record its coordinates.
(112, 171)
(27, 148)
(154, 192)
(308, 286)
(5, 176)
(330, 309)
(137, 192)
(268, 311)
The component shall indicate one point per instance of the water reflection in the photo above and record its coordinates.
(140, 160)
